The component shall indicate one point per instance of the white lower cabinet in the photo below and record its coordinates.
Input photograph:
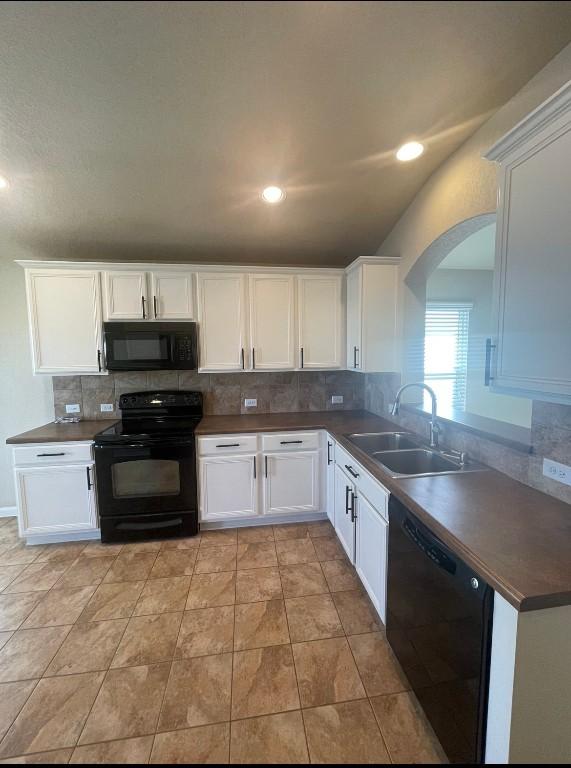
(344, 525)
(330, 479)
(56, 499)
(372, 532)
(228, 487)
(291, 482)
(361, 524)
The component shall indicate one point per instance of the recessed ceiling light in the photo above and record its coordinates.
(4, 182)
(273, 195)
(410, 151)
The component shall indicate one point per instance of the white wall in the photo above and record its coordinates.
(26, 401)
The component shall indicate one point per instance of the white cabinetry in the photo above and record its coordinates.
(319, 321)
(372, 317)
(361, 524)
(532, 309)
(291, 482)
(274, 475)
(371, 553)
(344, 524)
(228, 488)
(171, 295)
(154, 295)
(330, 479)
(64, 308)
(55, 486)
(272, 321)
(126, 296)
(222, 321)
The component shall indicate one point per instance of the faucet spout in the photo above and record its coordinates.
(434, 428)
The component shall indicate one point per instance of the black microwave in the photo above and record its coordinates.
(150, 346)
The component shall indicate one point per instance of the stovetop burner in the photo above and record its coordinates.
(154, 417)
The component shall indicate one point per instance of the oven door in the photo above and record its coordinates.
(136, 478)
(137, 347)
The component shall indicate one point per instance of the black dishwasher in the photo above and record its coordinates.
(439, 624)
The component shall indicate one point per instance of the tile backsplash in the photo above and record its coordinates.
(550, 436)
(224, 393)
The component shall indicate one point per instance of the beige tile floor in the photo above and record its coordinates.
(246, 646)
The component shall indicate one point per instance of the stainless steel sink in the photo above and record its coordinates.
(372, 442)
(420, 461)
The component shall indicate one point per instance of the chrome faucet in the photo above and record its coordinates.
(434, 428)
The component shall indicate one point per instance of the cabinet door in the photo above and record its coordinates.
(65, 320)
(56, 499)
(371, 553)
(354, 313)
(330, 469)
(126, 296)
(171, 295)
(222, 321)
(271, 321)
(344, 526)
(291, 482)
(319, 321)
(532, 276)
(228, 487)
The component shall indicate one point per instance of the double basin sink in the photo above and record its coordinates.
(403, 456)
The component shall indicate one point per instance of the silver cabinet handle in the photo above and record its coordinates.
(355, 350)
(488, 378)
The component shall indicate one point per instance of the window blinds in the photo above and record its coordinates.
(446, 338)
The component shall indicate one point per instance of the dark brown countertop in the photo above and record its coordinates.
(60, 433)
(516, 538)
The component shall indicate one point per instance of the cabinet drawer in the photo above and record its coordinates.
(53, 453)
(284, 441)
(227, 444)
(366, 485)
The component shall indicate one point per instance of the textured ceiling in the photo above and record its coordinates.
(146, 130)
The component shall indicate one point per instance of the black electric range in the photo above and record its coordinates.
(146, 467)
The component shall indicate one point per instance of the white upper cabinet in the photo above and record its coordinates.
(126, 296)
(354, 310)
(372, 317)
(272, 321)
(532, 305)
(222, 321)
(154, 295)
(171, 295)
(64, 308)
(319, 321)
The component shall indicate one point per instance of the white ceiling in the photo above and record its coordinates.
(477, 251)
(147, 129)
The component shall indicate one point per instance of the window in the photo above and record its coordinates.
(446, 351)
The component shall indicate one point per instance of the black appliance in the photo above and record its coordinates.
(439, 624)
(146, 467)
(150, 346)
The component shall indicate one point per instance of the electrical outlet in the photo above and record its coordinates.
(557, 471)
(251, 402)
(72, 408)
(337, 399)
(106, 407)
